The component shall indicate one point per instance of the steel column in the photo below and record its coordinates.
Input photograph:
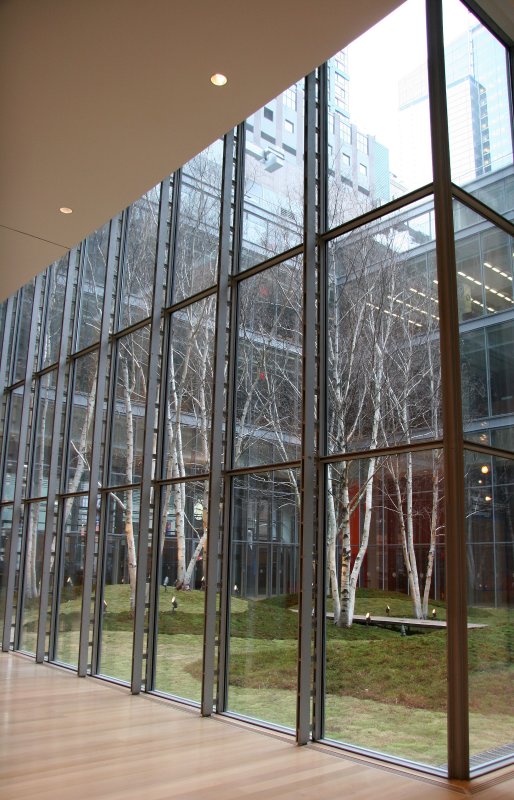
(309, 443)
(148, 443)
(217, 431)
(54, 458)
(22, 447)
(224, 627)
(320, 560)
(457, 639)
(94, 473)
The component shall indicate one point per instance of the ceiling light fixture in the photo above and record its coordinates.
(66, 210)
(218, 79)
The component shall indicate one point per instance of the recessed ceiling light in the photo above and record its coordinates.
(66, 210)
(218, 79)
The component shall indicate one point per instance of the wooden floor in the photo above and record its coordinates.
(68, 737)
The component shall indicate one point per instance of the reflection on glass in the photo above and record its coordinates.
(484, 266)
(182, 552)
(43, 435)
(384, 369)
(92, 287)
(5, 549)
(269, 367)
(479, 116)
(262, 672)
(35, 516)
(71, 574)
(119, 584)
(138, 259)
(56, 288)
(378, 119)
(11, 332)
(490, 559)
(128, 419)
(196, 252)
(12, 438)
(273, 187)
(82, 398)
(189, 395)
(26, 297)
(385, 621)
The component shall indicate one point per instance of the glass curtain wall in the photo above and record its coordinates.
(173, 356)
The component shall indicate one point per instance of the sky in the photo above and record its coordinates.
(398, 45)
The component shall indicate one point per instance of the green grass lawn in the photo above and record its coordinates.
(384, 691)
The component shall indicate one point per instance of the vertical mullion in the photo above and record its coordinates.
(232, 316)
(308, 469)
(217, 433)
(457, 644)
(22, 446)
(94, 473)
(5, 345)
(162, 443)
(319, 583)
(146, 477)
(54, 458)
(3, 380)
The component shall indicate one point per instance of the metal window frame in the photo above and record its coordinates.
(94, 472)
(51, 517)
(309, 468)
(453, 450)
(146, 472)
(18, 491)
(230, 380)
(216, 484)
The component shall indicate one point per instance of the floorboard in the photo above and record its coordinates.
(68, 737)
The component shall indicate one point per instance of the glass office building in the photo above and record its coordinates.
(257, 448)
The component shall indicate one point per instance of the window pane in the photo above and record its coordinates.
(5, 549)
(479, 116)
(269, 367)
(43, 435)
(473, 377)
(138, 259)
(384, 369)
(273, 187)
(386, 614)
(196, 253)
(119, 584)
(128, 418)
(490, 558)
(71, 574)
(92, 287)
(189, 399)
(82, 398)
(484, 266)
(183, 542)
(262, 671)
(56, 289)
(14, 407)
(24, 322)
(35, 515)
(379, 118)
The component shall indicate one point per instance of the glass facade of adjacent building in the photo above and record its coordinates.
(257, 447)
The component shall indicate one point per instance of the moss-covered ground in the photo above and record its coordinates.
(384, 691)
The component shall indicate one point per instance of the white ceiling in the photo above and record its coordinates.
(101, 99)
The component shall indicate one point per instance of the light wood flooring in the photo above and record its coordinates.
(68, 737)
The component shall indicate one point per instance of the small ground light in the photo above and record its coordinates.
(218, 79)
(488, 499)
(66, 210)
